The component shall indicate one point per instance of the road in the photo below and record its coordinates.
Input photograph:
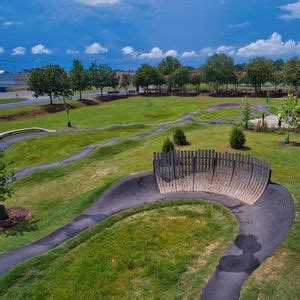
(32, 100)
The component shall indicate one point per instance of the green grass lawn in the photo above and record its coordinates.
(135, 109)
(155, 251)
(45, 149)
(74, 187)
(225, 115)
(11, 100)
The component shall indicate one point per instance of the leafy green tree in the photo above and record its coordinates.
(237, 138)
(5, 191)
(166, 68)
(179, 137)
(218, 69)
(168, 146)
(292, 72)
(79, 78)
(51, 80)
(195, 80)
(288, 114)
(246, 115)
(259, 71)
(101, 76)
(279, 65)
(181, 77)
(277, 79)
(168, 65)
(145, 76)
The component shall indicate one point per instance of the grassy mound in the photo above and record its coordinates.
(166, 252)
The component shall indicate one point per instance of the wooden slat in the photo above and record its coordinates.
(235, 175)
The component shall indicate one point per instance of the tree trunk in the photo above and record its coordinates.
(51, 99)
(80, 93)
(101, 89)
(3, 214)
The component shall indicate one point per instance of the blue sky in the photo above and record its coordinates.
(127, 33)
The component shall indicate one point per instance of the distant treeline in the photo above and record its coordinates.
(219, 73)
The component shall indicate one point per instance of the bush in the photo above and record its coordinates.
(237, 138)
(168, 146)
(179, 137)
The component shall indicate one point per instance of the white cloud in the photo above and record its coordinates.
(95, 3)
(292, 11)
(2, 50)
(40, 49)
(128, 50)
(209, 51)
(11, 23)
(156, 52)
(274, 46)
(172, 53)
(187, 54)
(18, 51)
(72, 51)
(240, 25)
(95, 48)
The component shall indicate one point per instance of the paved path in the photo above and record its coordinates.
(263, 226)
(32, 100)
(164, 126)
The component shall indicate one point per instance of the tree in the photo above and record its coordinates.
(168, 65)
(79, 77)
(218, 69)
(145, 76)
(114, 80)
(292, 73)
(102, 76)
(179, 137)
(195, 80)
(278, 65)
(168, 146)
(181, 77)
(5, 191)
(67, 110)
(246, 115)
(237, 138)
(259, 71)
(277, 78)
(288, 113)
(51, 80)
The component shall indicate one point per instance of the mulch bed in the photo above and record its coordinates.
(292, 144)
(17, 215)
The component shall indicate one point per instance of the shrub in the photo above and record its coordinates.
(246, 115)
(168, 146)
(179, 137)
(237, 138)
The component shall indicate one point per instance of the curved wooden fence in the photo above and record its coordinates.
(242, 177)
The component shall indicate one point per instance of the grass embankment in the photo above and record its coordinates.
(11, 100)
(225, 115)
(153, 251)
(75, 187)
(45, 149)
(131, 110)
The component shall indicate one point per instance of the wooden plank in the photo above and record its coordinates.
(235, 175)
